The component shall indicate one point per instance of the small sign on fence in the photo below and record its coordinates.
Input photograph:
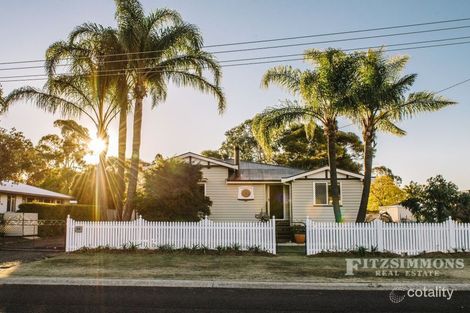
(78, 229)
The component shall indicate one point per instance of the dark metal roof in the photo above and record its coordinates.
(252, 171)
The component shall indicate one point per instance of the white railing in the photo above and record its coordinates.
(410, 238)
(152, 235)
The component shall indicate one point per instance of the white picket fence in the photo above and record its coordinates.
(152, 235)
(410, 238)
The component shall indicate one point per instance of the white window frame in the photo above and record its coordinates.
(327, 195)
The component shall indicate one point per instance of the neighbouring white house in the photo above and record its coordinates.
(13, 194)
(398, 213)
(239, 190)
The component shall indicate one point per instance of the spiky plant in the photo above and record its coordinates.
(382, 101)
(324, 93)
(161, 48)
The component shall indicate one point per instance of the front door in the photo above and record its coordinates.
(276, 201)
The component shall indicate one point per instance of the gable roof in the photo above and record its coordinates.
(319, 170)
(28, 190)
(255, 171)
(207, 159)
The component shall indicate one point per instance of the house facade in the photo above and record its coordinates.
(13, 194)
(240, 190)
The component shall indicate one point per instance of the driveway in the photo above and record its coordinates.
(25, 249)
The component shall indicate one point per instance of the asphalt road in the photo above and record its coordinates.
(37, 299)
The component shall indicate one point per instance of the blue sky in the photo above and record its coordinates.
(437, 143)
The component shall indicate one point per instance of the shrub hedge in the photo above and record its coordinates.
(48, 211)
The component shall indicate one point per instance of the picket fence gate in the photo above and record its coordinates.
(152, 235)
(409, 238)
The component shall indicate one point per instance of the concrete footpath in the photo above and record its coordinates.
(226, 284)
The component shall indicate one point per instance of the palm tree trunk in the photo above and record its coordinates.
(135, 159)
(331, 138)
(121, 181)
(368, 157)
(101, 189)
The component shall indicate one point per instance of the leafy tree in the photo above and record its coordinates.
(324, 92)
(381, 101)
(384, 191)
(385, 171)
(242, 136)
(160, 48)
(461, 211)
(292, 147)
(60, 157)
(17, 155)
(433, 202)
(67, 150)
(171, 192)
(212, 154)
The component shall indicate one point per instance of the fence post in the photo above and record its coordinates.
(67, 234)
(274, 241)
(140, 230)
(307, 235)
(451, 229)
(206, 244)
(380, 235)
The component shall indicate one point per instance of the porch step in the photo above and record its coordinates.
(283, 231)
(290, 250)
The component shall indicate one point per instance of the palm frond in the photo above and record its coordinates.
(187, 79)
(265, 124)
(45, 101)
(419, 102)
(389, 127)
(284, 76)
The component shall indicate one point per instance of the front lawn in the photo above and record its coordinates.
(185, 266)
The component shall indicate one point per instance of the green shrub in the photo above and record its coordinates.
(298, 228)
(48, 211)
(58, 211)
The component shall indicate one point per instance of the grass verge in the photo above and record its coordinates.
(240, 267)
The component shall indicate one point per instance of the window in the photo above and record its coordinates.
(11, 203)
(202, 189)
(322, 193)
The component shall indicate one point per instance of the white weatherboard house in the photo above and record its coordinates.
(239, 190)
(13, 194)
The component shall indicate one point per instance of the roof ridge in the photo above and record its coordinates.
(274, 165)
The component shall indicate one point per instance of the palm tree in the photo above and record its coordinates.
(381, 102)
(86, 92)
(1, 99)
(160, 48)
(324, 93)
(114, 58)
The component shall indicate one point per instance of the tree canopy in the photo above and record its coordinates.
(291, 147)
(17, 155)
(172, 192)
(437, 200)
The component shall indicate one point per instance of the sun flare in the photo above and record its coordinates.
(96, 146)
